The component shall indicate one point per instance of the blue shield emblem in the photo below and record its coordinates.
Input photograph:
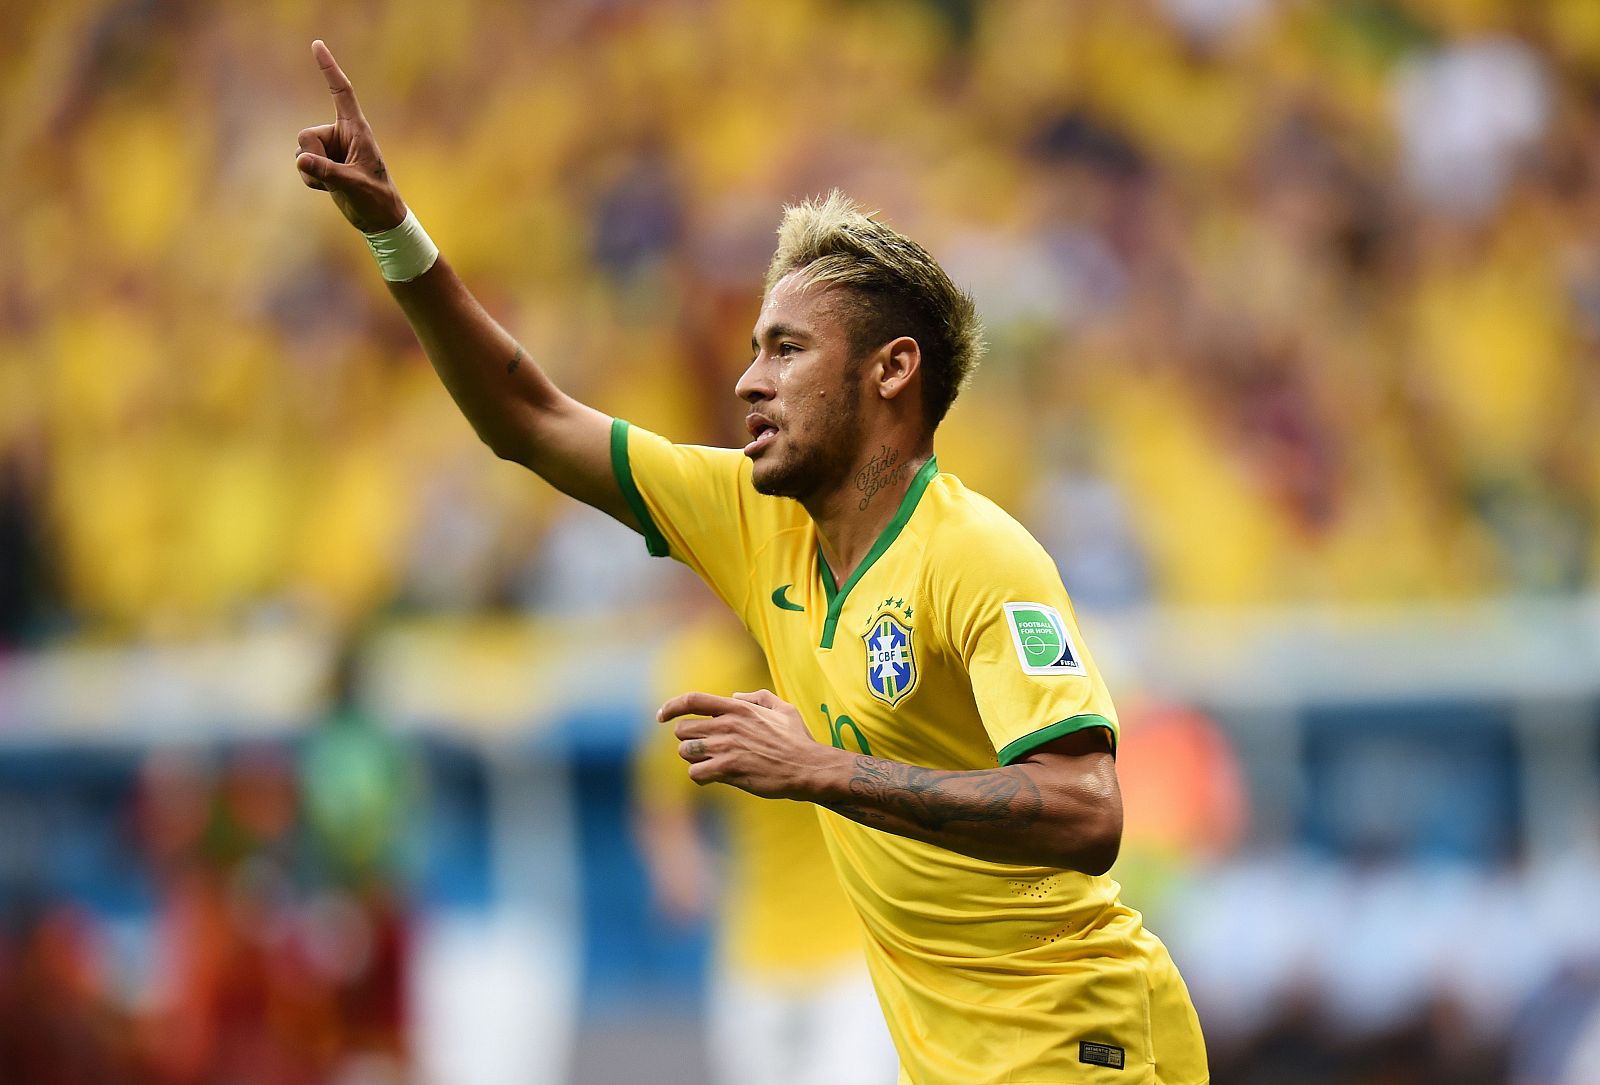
(891, 668)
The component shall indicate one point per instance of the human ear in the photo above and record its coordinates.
(899, 360)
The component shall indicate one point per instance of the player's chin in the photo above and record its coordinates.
(772, 476)
(764, 477)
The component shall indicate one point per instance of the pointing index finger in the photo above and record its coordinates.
(345, 106)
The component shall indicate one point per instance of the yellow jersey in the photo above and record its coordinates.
(952, 646)
(783, 916)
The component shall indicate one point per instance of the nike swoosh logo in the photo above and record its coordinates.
(781, 600)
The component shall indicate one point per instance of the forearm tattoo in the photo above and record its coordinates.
(516, 359)
(932, 799)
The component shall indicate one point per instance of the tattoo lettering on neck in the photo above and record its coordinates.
(880, 472)
(932, 799)
(516, 359)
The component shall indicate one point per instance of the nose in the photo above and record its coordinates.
(755, 385)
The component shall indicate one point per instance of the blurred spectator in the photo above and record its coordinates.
(56, 1026)
(26, 588)
(790, 1001)
(1468, 114)
(280, 954)
(1083, 520)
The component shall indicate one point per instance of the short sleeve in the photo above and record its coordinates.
(1013, 627)
(693, 503)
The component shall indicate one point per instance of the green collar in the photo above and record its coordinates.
(836, 595)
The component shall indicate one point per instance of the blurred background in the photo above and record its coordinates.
(315, 718)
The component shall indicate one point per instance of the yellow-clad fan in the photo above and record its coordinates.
(790, 1000)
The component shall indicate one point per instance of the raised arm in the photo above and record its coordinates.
(514, 407)
(1059, 806)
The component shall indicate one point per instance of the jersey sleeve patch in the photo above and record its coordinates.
(1043, 644)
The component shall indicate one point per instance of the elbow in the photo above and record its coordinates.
(1100, 838)
(509, 446)
(1098, 856)
(1095, 844)
(507, 451)
(521, 435)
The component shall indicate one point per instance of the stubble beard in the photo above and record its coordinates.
(811, 470)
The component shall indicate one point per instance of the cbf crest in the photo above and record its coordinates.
(891, 662)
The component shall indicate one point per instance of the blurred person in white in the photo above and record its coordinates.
(1210, 21)
(1556, 1039)
(1084, 519)
(790, 1000)
(1582, 1063)
(1466, 113)
(588, 564)
(975, 843)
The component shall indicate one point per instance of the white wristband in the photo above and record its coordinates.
(405, 251)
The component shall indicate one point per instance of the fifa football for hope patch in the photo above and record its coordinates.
(1043, 644)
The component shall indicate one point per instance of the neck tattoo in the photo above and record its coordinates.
(880, 472)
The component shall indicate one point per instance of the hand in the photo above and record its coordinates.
(754, 741)
(342, 158)
(681, 867)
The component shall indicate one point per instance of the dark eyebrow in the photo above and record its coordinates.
(778, 331)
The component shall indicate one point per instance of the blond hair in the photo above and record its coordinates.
(899, 290)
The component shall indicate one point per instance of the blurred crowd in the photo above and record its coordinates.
(199, 916)
(1288, 301)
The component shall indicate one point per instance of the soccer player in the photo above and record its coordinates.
(790, 1000)
(933, 697)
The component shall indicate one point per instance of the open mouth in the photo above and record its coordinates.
(762, 431)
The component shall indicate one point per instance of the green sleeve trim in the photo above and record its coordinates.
(654, 541)
(908, 505)
(1012, 751)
